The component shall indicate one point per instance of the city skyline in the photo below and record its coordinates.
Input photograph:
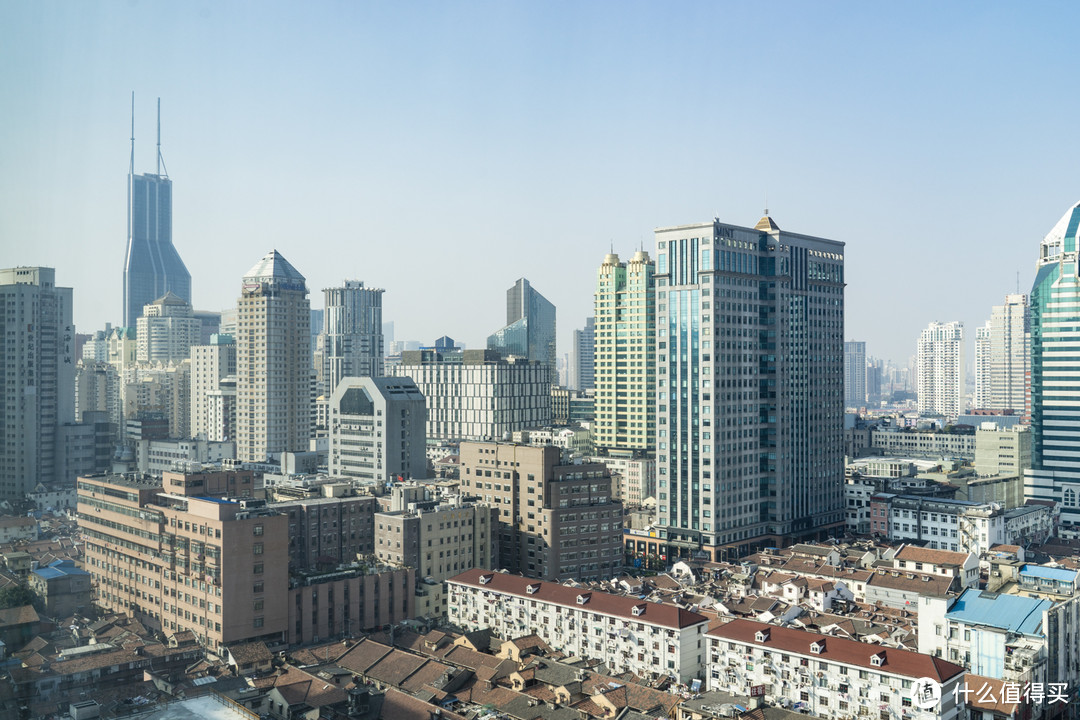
(321, 152)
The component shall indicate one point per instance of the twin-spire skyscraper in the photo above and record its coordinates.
(152, 266)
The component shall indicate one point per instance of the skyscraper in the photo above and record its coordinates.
(213, 389)
(750, 385)
(1055, 388)
(273, 361)
(152, 267)
(625, 354)
(854, 374)
(530, 327)
(941, 369)
(1002, 350)
(37, 377)
(352, 340)
(582, 371)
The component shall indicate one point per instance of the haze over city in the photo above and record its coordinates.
(442, 150)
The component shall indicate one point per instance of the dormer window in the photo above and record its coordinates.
(817, 647)
(533, 589)
(583, 598)
(877, 659)
(762, 635)
(638, 610)
(485, 579)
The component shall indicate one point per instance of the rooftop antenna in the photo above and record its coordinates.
(160, 159)
(1017, 282)
(766, 203)
(131, 168)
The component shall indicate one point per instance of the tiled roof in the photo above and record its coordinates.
(929, 555)
(839, 650)
(18, 616)
(598, 602)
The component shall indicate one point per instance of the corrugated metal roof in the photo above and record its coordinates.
(1051, 573)
(1009, 612)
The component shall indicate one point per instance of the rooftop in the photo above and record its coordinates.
(840, 650)
(1050, 573)
(1015, 613)
(273, 266)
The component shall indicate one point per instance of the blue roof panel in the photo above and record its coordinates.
(1050, 573)
(1009, 612)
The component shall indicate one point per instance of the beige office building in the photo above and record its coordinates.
(440, 541)
(273, 361)
(213, 389)
(555, 521)
(188, 552)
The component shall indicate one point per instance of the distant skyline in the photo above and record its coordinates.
(443, 150)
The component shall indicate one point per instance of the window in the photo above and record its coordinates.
(257, 569)
(257, 530)
(258, 622)
(257, 548)
(258, 605)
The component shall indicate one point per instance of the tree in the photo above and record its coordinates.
(16, 596)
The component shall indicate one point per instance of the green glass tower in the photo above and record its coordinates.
(1055, 382)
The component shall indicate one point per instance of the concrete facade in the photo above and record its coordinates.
(377, 429)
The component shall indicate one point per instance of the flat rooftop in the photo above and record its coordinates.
(210, 707)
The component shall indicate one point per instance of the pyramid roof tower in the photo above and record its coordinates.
(274, 267)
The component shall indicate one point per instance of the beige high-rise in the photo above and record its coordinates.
(273, 361)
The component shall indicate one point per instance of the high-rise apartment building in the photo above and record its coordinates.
(273, 361)
(152, 266)
(351, 342)
(377, 429)
(624, 355)
(941, 369)
(1002, 357)
(854, 374)
(750, 385)
(530, 327)
(1055, 387)
(555, 521)
(478, 394)
(213, 389)
(582, 357)
(166, 330)
(37, 377)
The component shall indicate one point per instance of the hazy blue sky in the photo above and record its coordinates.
(442, 150)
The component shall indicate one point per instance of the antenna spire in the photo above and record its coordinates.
(766, 203)
(160, 158)
(131, 169)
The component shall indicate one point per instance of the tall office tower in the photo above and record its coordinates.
(273, 361)
(377, 429)
(37, 377)
(213, 389)
(1002, 352)
(166, 330)
(351, 341)
(530, 327)
(1055, 405)
(152, 267)
(941, 369)
(873, 382)
(478, 394)
(555, 521)
(750, 386)
(582, 372)
(854, 374)
(624, 355)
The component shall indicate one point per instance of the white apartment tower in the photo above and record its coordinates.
(750, 385)
(213, 389)
(166, 330)
(351, 342)
(37, 377)
(941, 369)
(1002, 357)
(273, 361)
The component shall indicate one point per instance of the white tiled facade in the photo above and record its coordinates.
(626, 644)
(941, 369)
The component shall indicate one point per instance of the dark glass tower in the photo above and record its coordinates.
(152, 267)
(530, 327)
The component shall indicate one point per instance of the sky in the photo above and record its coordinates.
(442, 150)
